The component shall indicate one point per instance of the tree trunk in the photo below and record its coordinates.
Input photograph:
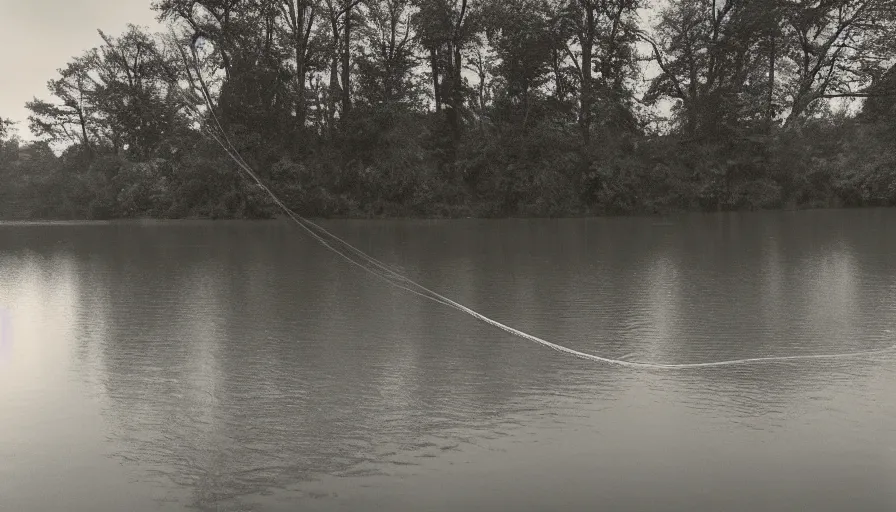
(448, 89)
(334, 76)
(525, 107)
(482, 79)
(770, 114)
(801, 101)
(436, 87)
(300, 86)
(457, 98)
(390, 83)
(296, 13)
(585, 94)
(690, 118)
(83, 122)
(333, 91)
(559, 93)
(586, 36)
(346, 65)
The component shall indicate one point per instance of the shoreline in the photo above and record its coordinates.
(279, 218)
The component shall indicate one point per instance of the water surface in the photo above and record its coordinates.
(241, 366)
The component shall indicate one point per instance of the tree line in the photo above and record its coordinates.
(469, 108)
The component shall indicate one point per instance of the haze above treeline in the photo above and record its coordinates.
(467, 108)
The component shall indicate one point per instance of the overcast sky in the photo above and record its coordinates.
(37, 37)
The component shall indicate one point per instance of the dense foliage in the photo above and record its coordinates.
(469, 108)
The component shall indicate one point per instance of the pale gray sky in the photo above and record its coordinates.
(37, 37)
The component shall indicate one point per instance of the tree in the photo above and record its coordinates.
(386, 62)
(446, 29)
(599, 35)
(482, 62)
(520, 33)
(834, 49)
(73, 118)
(709, 57)
(339, 14)
(212, 20)
(300, 16)
(6, 127)
(254, 100)
(880, 107)
(347, 26)
(134, 98)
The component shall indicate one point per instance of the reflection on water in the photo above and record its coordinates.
(239, 365)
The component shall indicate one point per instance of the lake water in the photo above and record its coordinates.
(240, 366)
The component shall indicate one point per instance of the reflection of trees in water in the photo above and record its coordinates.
(793, 293)
(235, 358)
(229, 369)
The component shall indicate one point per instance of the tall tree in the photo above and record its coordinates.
(300, 16)
(881, 105)
(599, 35)
(482, 63)
(834, 49)
(446, 29)
(387, 60)
(582, 20)
(5, 128)
(72, 118)
(133, 94)
(707, 50)
(339, 14)
(212, 20)
(520, 32)
(254, 95)
(347, 27)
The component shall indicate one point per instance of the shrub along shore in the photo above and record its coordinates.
(832, 163)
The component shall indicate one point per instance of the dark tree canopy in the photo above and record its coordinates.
(470, 107)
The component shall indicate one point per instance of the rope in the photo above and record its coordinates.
(379, 269)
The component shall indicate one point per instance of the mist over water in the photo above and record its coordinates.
(241, 366)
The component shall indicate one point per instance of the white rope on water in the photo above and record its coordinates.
(382, 271)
